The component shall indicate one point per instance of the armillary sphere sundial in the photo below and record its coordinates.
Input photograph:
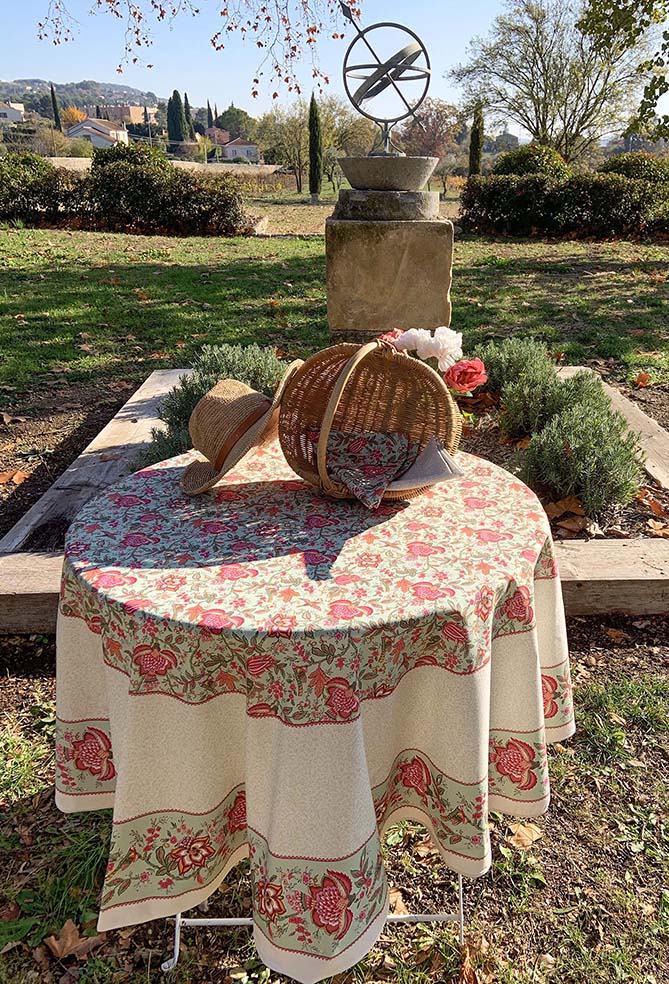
(393, 66)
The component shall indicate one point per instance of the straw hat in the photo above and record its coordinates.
(226, 424)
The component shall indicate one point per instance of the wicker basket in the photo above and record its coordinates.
(370, 388)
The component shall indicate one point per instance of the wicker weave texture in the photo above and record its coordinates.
(387, 391)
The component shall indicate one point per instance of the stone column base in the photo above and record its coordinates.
(385, 275)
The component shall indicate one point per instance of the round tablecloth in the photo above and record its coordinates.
(264, 671)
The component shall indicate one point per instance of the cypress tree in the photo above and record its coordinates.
(476, 141)
(189, 119)
(210, 115)
(176, 120)
(98, 113)
(315, 150)
(146, 116)
(56, 110)
(215, 115)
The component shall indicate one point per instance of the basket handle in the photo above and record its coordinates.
(331, 409)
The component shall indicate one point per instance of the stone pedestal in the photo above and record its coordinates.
(389, 263)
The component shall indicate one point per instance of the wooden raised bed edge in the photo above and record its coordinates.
(598, 577)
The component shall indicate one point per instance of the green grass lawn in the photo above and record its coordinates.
(94, 304)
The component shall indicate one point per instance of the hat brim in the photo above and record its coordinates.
(200, 476)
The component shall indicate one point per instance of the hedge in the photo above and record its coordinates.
(127, 190)
(637, 164)
(533, 159)
(589, 205)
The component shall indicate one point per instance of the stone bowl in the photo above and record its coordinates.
(388, 173)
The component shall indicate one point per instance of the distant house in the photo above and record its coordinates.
(101, 133)
(11, 113)
(239, 147)
(217, 136)
(124, 114)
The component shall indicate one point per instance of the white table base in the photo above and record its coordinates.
(409, 917)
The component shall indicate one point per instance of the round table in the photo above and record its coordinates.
(265, 672)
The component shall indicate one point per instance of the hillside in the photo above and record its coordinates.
(76, 93)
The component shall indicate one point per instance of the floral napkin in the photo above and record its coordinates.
(367, 462)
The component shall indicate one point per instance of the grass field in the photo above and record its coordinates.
(85, 304)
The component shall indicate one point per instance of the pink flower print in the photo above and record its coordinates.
(171, 582)
(282, 624)
(489, 536)
(153, 662)
(236, 815)
(235, 572)
(259, 664)
(109, 579)
(214, 526)
(419, 549)
(330, 904)
(192, 852)
(456, 632)
(347, 610)
(345, 579)
(518, 606)
(549, 689)
(294, 900)
(127, 500)
(317, 522)
(315, 557)
(416, 775)
(342, 700)
(530, 555)
(93, 753)
(369, 560)
(145, 877)
(483, 602)
(217, 620)
(514, 761)
(260, 710)
(474, 502)
(276, 690)
(166, 882)
(430, 592)
(137, 604)
(137, 540)
(269, 900)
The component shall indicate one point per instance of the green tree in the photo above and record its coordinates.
(55, 108)
(476, 141)
(285, 134)
(189, 119)
(433, 133)
(177, 128)
(210, 115)
(237, 122)
(538, 69)
(146, 116)
(315, 151)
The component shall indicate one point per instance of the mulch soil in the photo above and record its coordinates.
(580, 860)
(653, 400)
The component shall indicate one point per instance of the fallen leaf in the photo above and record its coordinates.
(420, 956)
(468, 974)
(574, 523)
(618, 635)
(10, 912)
(523, 443)
(397, 906)
(523, 835)
(17, 477)
(86, 348)
(70, 943)
(570, 504)
(547, 961)
(642, 380)
(658, 529)
(11, 418)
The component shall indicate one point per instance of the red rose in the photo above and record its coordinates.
(466, 375)
(549, 689)
(342, 699)
(518, 607)
(93, 753)
(514, 760)
(329, 903)
(416, 775)
(153, 662)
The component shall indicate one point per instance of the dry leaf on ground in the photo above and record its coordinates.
(658, 529)
(642, 380)
(397, 906)
(570, 504)
(468, 974)
(618, 635)
(523, 835)
(70, 943)
(16, 477)
(574, 523)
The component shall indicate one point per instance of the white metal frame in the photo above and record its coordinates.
(409, 917)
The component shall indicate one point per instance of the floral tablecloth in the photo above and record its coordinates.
(263, 671)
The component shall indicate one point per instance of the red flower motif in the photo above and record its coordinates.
(260, 710)
(258, 664)
(109, 579)
(518, 606)
(192, 852)
(329, 903)
(269, 898)
(171, 582)
(430, 592)
(282, 625)
(127, 500)
(237, 813)
(418, 549)
(416, 775)
(466, 375)
(347, 610)
(489, 536)
(216, 620)
(93, 753)
(153, 662)
(234, 572)
(473, 502)
(342, 699)
(483, 602)
(214, 526)
(136, 540)
(514, 760)
(455, 632)
(549, 689)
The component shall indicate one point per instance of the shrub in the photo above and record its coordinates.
(591, 455)
(538, 395)
(533, 159)
(21, 180)
(601, 205)
(138, 154)
(257, 366)
(506, 361)
(637, 164)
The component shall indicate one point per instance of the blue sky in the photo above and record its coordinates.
(184, 59)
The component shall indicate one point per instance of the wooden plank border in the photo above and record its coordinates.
(598, 577)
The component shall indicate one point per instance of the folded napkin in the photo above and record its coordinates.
(367, 462)
(433, 465)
